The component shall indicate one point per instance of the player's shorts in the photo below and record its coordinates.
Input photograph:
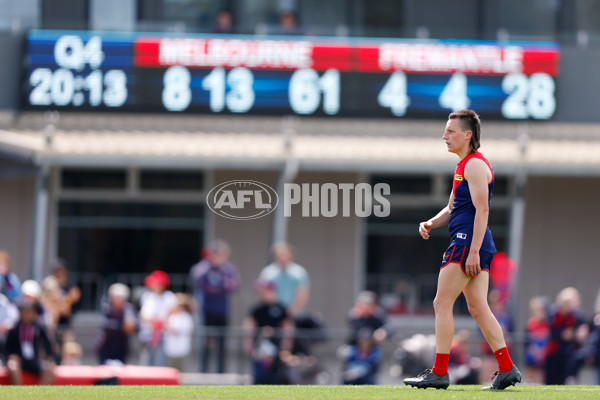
(458, 254)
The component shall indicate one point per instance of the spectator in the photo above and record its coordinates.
(28, 348)
(195, 273)
(217, 278)
(536, 340)
(464, 368)
(118, 323)
(178, 332)
(9, 316)
(71, 352)
(288, 24)
(156, 305)
(363, 359)
(223, 22)
(565, 319)
(366, 315)
(595, 343)
(70, 294)
(31, 292)
(50, 306)
(291, 280)
(268, 331)
(10, 285)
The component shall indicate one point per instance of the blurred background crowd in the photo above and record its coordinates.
(276, 340)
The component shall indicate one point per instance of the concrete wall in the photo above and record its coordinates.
(16, 212)
(560, 246)
(331, 249)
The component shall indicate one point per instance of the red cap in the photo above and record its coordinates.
(157, 278)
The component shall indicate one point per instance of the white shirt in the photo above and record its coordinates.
(178, 334)
(154, 307)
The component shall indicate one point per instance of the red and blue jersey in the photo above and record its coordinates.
(462, 216)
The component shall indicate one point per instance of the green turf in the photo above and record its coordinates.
(293, 392)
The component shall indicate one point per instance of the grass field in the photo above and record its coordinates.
(294, 392)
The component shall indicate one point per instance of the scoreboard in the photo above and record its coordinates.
(283, 75)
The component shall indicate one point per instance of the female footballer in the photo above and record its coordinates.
(466, 263)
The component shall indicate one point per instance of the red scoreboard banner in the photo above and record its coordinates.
(352, 56)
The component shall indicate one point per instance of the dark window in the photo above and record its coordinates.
(93, 179)
(501, 186)
(405, 184)
(167, 180)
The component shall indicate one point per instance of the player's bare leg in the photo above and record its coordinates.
(476, 292)
(451, 282)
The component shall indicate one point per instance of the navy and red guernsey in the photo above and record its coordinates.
(462, 216)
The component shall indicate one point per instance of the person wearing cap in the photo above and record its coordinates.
(366, 315)
(118, 323)
(155, 306)
(29, 349)
(268, 331)
(218, 279)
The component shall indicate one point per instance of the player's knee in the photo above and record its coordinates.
(476, 309)
(441, 305)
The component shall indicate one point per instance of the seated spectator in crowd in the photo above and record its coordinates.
(268, 332)
(71, 352)
(367, 315)
(178, 332)
(29, 349)
(9, 316)
(118, 323)
(362, 360)
(223, 22)
(10, 285)
(155, 306)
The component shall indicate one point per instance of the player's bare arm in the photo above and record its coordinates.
(441, 219)
(479, 176)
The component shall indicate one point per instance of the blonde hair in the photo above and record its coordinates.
(6, 257)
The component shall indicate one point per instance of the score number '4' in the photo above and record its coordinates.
(527, 96)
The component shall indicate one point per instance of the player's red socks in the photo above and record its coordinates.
(504, 361)
(440, 366)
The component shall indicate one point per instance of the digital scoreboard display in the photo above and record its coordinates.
(283, 75)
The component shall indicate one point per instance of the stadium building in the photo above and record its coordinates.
(112, 173)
